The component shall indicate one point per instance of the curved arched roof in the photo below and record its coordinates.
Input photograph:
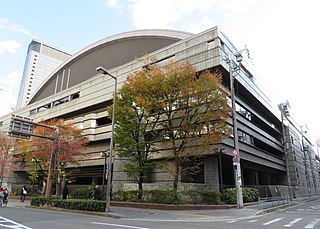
(109, 52)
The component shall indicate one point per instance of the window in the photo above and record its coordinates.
(243, 112)
(211, 44)
(103, 121)
(60, 101)
(244, 137)
(34, 111)
(75, 96)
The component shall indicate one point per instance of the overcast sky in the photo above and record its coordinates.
(282, 36)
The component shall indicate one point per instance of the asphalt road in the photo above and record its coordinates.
(305, 215)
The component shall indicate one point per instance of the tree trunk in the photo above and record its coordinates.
(58, 186)
(176, 176)
(140, 185)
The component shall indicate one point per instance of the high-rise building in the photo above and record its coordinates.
(41, 60)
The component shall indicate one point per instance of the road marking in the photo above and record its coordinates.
(293, 222)
(312, 223)
(119, 225)
(253, 221)
(231, 221)
(272, 221)
(13, 224)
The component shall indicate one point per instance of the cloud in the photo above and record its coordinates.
(115, 4)
(8, 92)
(175, 13)
(10, 83)
(5, 24)
(10, 46)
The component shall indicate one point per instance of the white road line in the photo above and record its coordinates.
(253, 221)
(119, 225)
(272, 221)
(293, 222)
(231, 221)
(312, 223)
(13, 225)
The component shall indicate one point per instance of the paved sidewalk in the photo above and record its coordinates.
(14, 201)
(181, 215)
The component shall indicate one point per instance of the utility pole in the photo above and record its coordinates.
(233, 66)
(284, 109)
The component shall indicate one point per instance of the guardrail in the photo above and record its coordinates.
(269, 202)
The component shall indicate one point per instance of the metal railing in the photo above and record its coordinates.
(270, 202)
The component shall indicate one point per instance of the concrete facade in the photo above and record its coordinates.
(77, 92)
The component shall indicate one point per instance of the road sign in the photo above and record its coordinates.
(235, 160)
(235, 152)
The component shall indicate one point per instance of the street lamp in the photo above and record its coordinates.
(284, 109)
(104, 71)
(233, 66)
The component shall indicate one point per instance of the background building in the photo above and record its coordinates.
(40, 61)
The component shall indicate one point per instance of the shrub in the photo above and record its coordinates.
(161, 196)
(81, 194)
(129, 196)
(200, 197)
(169, 197)
(248, 194)
(84, 205)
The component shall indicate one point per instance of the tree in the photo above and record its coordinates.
(67, 150)
(193, 110)
(6, 157)
(134, 135)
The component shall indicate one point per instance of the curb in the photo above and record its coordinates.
(170, 206)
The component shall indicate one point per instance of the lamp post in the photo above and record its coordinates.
(284, 109)
(104, 71)
(233, 66)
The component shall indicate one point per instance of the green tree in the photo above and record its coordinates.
(134, 135)
(193, 110)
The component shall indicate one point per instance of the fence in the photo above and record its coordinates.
(269, 202)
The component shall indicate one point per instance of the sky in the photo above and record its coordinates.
(281, 35)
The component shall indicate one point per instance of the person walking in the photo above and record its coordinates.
(65, 192)
(23, 193)
(5, 196)
(1, 196)
(96, 194)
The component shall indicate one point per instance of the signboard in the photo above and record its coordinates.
(235, 160)
(235, 153)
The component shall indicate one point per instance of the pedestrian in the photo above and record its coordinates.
(23, 193)
(96, 194)
(5, 196)
(1, 197)
(65, 192)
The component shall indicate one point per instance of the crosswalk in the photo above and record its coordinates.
(4, 222)
(285, 223)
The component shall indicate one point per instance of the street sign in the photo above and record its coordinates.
(235, 160)
(235, 152)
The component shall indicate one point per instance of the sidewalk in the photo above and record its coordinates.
(175, 215)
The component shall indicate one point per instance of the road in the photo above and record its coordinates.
(306, 215)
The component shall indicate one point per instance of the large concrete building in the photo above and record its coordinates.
(75, 91)
(40, 61)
